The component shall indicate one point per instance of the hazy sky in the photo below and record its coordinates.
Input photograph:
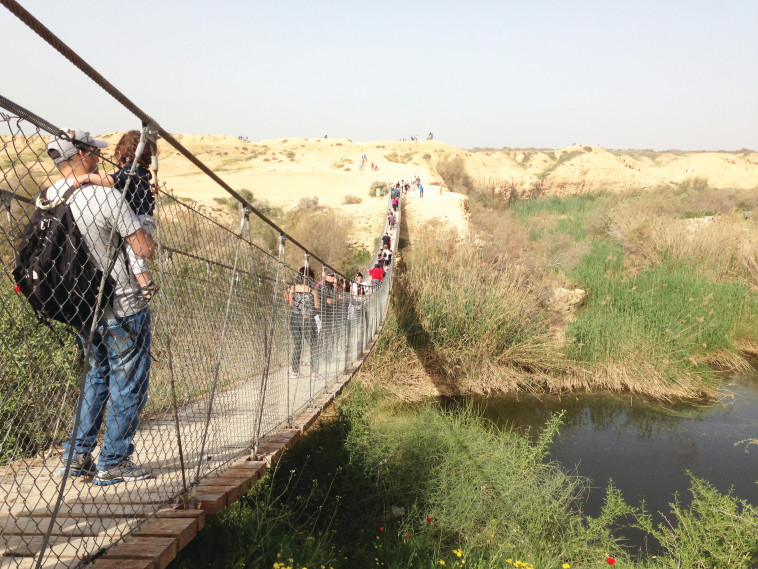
(638, 74)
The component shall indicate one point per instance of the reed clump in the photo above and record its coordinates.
(456, 317)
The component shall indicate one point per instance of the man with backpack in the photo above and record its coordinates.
(119, 358)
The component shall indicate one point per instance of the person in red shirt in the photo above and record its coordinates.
(377, 274)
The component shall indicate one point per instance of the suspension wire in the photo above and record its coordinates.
(268, 348)
(45, 33)
(20, 111)
(166, 325)
(217, 373)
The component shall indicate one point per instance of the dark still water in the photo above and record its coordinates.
(646, 448)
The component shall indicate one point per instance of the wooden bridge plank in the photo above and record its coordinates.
(93, 511)
(123, 564)
(31, 563)
(197, 515)
(59, 547)
(64, 526)
(211, 503)
(183, 530)
(162, 550)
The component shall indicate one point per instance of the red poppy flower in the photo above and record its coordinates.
(17, 288)
(429, 520)
(408, 536)
(611, 561)
(381, 528)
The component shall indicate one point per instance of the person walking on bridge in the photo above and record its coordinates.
(305, 305)
(327, 302)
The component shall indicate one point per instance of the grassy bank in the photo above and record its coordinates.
(666, 299)
(379, 485)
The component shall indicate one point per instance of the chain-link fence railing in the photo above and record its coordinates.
(193, 344)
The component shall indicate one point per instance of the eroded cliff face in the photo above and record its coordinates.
(578, 169)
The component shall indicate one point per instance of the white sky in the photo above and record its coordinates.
(529, 73)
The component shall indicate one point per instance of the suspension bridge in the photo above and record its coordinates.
(223, 402)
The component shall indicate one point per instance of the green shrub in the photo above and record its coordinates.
(399, 158)
(453, 172)
(693, 185)
(383, 187)
(715, 530)
(308, 203)
(38, 379)
(351, 199)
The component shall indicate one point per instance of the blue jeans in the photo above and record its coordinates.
(119, 371)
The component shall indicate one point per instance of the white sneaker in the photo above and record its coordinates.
(126, 471)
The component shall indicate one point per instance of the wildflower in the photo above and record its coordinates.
(611, 561)
(408, 536)
(442, 561)
(566, 566)
(429, 520)
(381, 528)
(458, 552)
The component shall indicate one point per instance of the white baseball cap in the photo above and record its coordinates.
(68, 148)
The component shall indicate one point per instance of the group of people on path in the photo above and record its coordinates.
(318, 308)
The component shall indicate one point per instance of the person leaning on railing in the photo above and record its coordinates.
(305, 306)
(119, 360)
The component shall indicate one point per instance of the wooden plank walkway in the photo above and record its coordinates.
(148, 518)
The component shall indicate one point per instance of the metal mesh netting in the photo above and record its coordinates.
(236, 342)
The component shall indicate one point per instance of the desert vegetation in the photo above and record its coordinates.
(386, 485)
(667, 297)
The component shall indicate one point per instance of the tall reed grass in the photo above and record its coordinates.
(462, 321)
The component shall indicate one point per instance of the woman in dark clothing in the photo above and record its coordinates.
(305, 306)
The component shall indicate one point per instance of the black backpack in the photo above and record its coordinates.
(54, 270)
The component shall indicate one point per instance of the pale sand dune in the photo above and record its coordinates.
(283, 171)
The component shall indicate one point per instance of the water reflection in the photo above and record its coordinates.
(646, 448)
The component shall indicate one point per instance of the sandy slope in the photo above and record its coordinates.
(285, 170)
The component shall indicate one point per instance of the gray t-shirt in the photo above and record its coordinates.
(97, 210)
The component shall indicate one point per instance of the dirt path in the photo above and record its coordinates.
(447, 207)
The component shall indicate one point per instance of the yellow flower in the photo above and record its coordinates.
(442, 561)
(566, 566)
(458, 552)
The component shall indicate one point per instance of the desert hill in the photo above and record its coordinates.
(283, 171)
